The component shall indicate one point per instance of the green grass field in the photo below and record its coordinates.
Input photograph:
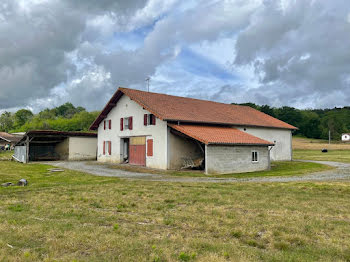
(5, 155)
(310, 149)
(332, 155)
(71, 216)
(280, 168)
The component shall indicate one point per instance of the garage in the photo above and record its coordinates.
(47, 145)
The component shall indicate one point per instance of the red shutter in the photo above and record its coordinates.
(104, 147)
(130, 123)
(110, 147)
(153, 120)
(121, 124)
(110, 124)
(104, 124)
(145, 116)
(150, 147)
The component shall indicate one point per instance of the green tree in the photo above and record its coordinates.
(268, 110)
(310, 124)
(21, 117)
(6, 122)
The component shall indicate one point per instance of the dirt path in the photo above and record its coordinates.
(342, 172)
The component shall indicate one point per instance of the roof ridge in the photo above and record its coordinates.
(192, 98)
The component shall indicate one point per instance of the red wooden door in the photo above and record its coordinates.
(137, 155)
(137, 151)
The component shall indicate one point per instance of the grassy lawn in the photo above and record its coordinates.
(71, 216)
(318, 144)
(5, 155)
(310, 149)
(280, 168)
(331, 155)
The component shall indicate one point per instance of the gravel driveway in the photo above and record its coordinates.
(342, 172)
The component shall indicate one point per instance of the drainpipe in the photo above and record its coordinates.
(269, 155)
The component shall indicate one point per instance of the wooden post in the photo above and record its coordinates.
(27, 149)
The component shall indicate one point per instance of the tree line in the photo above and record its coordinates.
(66, 117)
(312, 123)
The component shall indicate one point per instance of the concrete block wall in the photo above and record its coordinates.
(82, 148)
(222, 159)
(282, 151)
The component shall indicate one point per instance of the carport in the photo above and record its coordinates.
(48, 145)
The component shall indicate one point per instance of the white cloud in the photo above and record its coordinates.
(282, 52)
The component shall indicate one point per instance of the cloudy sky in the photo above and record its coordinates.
(288, 52)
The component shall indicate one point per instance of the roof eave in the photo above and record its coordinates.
(240, 144)
(5, 139)
(227, 124)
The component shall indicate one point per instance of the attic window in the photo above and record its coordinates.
(126, 123)
(149, 119)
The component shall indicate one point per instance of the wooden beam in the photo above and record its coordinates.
(47, 142)
(27, 149)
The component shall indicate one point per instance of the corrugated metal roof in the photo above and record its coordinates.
(9, 137)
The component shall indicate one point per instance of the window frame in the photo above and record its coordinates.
(255, 156)
(107, 148)
(149, 121)
(126, 123)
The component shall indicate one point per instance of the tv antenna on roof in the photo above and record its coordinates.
(147, 80)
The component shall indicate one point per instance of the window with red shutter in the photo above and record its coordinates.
(110, 124)
(130, 123)
(110, 147)
(104, 147)
(145, 118)
(150, 147)
(153, 119)
(104, 124)
(121, 124)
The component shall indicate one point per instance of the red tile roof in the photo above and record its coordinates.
(219, 135)
(174, 108)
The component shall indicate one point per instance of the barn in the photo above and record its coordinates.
(48, 145)
(170, 132)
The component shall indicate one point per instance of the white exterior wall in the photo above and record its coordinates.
(126, 108)
(222, 159)
(281, 137)
(82, 148)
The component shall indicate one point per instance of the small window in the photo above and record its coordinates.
(255, 156)
(152, 119)
(107, 148)
(149, 119)
(126, 123)
(110, 124)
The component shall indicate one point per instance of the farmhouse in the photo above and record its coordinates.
(39, 145)
(170, 132)
(8, 139)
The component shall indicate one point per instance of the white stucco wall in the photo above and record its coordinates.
(82, 148)
(126, 108)
(221, 159)
(281, 137)
(63, 149)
